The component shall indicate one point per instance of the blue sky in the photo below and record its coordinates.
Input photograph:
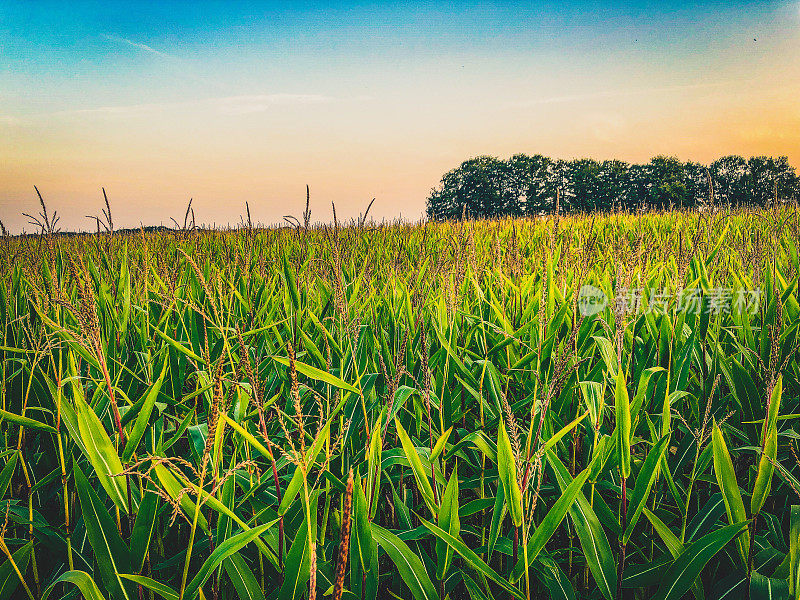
(232, 101)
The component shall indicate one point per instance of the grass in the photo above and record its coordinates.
(403, 410)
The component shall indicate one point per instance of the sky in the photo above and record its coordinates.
(234, 102)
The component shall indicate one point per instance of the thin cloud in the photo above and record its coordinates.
(228, 105)
(670, 89)
(178, 65)
(239, 105)
(126, 109)
(140, 46)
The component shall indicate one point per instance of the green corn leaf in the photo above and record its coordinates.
(70, 419)
(687, 567)
(9, 580)
(110, 551)
(7, 473)
(296, 483)
(401, 396)
(374, 468)
(766, 467)
(244, 582)
(179, 346)
(408, 564)
(550, 523)
(472, 559)
(420, 475)
(316, 374)
(674, 546)
(601, 452)
(448, 520)
(251, 439)
(666, 410)
(498, 514)
(774, 403)
(608, 354)
(641, 391)
(101, 454)
(143, 529)
(592, 394)
(794, 551)
(163, 590)
(69, 337)
(226, 499)
(623, 432)
(507, 467)
(178, 434)
(171, 485)
(25, 422)
(143, 418)
(290, 283)
(83, 581)
(644, 483)
(554, 579)
(292, 490)
(361, 532)
(726, 479)
(213, 503)
(475, 592)
(671, 541)
(554, 439)
(591, 535)
(457, 362)
(438, 448)
(224, 550)
(125, 285)
(768, 588)
(298, 561)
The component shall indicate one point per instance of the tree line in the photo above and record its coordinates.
(524, 185)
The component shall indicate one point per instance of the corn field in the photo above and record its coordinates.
(404, 410)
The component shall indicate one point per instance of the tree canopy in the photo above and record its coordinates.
(525, 185)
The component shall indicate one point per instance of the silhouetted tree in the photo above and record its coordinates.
(614, 179)
(695, 177)
(479, 187)
(529, 185)
(580, 185)
(771, 178)
(667, 183)
(730, 175)
(535, 178)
